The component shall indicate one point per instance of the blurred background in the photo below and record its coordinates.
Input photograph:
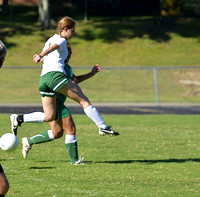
(149, 50)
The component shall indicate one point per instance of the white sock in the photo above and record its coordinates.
(93, 114)
(34, 117)
(50, 134)
(70, 139)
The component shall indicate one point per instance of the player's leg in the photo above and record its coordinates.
(47, 87)
(49, 107)
(73, 91)
(49, 135)
(42, 137)
(4, 184)
(70, 138)
(45, 136)
(70, 130)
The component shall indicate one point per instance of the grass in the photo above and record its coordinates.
(21, 86)
(126, 41)
(155, 155)
(114, 42)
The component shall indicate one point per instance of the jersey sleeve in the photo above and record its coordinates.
(61, 42)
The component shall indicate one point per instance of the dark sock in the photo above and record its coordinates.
(20, 119)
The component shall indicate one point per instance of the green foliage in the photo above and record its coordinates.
(171, 7)
(155, 155)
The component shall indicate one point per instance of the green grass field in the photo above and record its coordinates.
(129, 41)
(21, 86)
(155, 155)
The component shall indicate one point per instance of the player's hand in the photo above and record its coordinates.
(36, 58)
(96, 69)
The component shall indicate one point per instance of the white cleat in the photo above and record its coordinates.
(107, 131)
(101, 133)
(14, 123)
(79, 162)
(25, 147)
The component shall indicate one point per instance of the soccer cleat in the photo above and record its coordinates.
(14, 123)
(107, 131)
(25, 147)
(79, 162)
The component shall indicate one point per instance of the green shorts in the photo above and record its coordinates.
(62, 110)
(51, 82)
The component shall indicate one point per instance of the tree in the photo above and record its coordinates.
(5, 8)
(171, 7)
(197, 7)
(44, 16)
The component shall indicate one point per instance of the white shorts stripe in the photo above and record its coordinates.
(47, 93)
(59, 84)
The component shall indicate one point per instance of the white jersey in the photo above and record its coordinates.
(55, 61)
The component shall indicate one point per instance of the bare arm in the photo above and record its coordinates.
(80, 78)
(38, 58)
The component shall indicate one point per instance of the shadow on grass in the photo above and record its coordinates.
(107, 29)
(41, 168)
(145, 161)
(152, 161)
(117, 29)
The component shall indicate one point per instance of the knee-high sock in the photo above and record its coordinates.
(72, 148)
(45, 136)
(34, 117)
(94, 115)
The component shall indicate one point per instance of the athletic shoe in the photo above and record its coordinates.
(25, 147)
(79, 162)
(14, 123)
(107, 131)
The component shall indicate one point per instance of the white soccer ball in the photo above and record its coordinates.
(9, 142)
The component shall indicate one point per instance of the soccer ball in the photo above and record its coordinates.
(9, 142)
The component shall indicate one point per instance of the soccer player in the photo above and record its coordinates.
(64, 123)
(53, 78)
(4, 184)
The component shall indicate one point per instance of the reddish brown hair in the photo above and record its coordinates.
(65, 22)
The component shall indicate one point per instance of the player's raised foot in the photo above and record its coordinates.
(79, 162)
(25, 147)
(107, 131)
(14, 123)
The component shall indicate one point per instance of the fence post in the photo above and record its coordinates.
(156, 84)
